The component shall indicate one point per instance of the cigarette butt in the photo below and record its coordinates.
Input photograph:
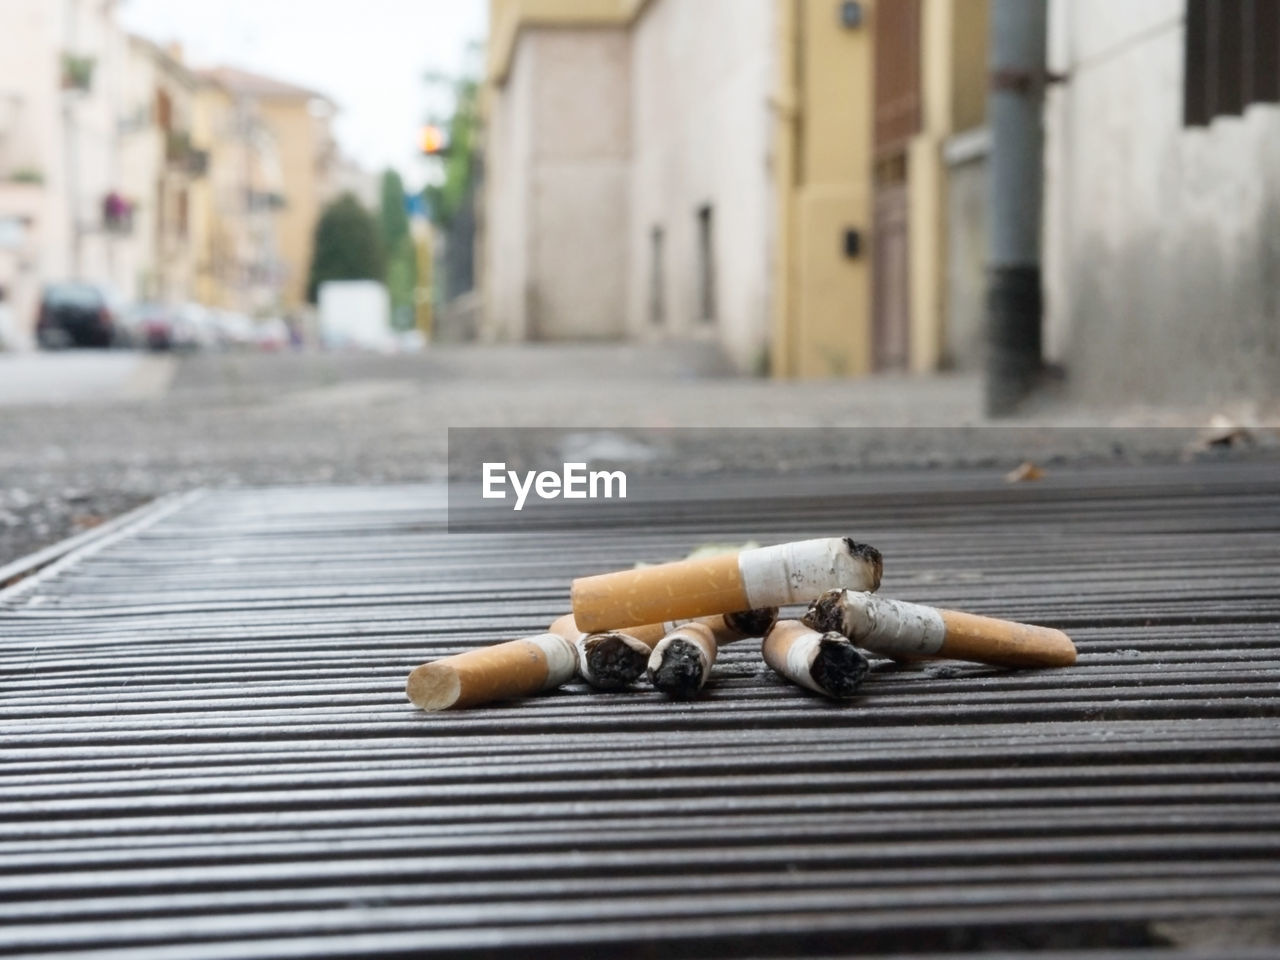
(504, 671)
(614, 660)
(617, 659)
(611, 661)
(751, 579)
(911, 631)
(826, 663)
(682, 660)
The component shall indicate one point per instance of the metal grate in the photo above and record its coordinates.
(207, 751)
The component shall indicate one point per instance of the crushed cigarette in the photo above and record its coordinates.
(761, 577)
(617, 659)
(903, 630)
(682, 661)
(504, 671)
(608, 661)
(611, 661)
(826, 663)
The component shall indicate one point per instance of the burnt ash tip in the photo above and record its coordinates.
(825, 614)
(614, 663)
(839, 668)
(680, 672)
(864, 551)
(753, 623)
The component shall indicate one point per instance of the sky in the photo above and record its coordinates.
(368, 55)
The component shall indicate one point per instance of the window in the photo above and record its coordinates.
(657, 282)
(1231, 57)
(706, 265)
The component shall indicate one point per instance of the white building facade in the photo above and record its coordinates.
(1162, 261)
(629, 187)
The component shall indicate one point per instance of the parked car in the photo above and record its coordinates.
(76, 314)
(161, 326)
(234, 330)
(198, 325)
(272, 334)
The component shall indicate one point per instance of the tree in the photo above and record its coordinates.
(397, 242)
(393, 221)
(347, 246)
(451, 200)
(446, 199)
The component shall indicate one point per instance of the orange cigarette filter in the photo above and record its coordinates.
(705, 586)
(504, 671)
(895, 628)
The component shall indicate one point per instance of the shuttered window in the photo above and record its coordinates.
(897, 75)
(1233, 57)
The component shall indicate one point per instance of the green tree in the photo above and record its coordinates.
(347, 246)
(446, 198)
(402, 264)
(393, 221)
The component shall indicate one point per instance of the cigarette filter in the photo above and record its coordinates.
(762, 577)
(681, 662)
(517, 668)
(824, 662)
(903, 630)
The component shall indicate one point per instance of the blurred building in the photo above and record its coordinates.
(121, 166)
(62, 204)
(237, 209)
(299, 121)
(346, 175)
(161, 164)
(1163, 198)
(772, 174)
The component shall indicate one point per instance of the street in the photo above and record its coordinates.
(84, 435)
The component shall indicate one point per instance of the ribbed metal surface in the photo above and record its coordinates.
(207, 751)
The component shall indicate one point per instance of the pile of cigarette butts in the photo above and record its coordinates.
(670, 620)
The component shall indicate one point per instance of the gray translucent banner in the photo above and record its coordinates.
(513, 480)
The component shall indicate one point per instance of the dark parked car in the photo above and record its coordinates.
(75, 315)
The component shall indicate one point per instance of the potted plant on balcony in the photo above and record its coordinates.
(77, 72)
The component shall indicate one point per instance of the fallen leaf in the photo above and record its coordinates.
(1026, 473)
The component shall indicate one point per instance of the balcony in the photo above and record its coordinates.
(182, 155)
(77, 73)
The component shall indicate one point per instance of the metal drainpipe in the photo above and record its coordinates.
(1015, 108)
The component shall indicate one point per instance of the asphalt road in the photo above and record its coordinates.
(85, 435)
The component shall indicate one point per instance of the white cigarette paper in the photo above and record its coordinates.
(892, 628)
(799, 572)
(908, 631)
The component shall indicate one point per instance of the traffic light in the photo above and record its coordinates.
(433, 141)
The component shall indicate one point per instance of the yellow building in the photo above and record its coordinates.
(776, 175)
(298, 124)
(236, 208)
